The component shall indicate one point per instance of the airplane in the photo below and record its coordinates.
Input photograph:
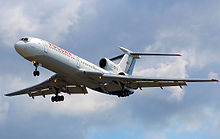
(74, 74)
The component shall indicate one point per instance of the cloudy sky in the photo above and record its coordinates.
(94, 29)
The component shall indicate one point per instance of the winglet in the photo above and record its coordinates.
(215, 80)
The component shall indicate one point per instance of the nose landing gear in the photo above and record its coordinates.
(36, 72)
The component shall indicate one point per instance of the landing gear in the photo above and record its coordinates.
(36, 72)
(57, 98)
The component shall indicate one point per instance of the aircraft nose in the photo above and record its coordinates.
(19, 47)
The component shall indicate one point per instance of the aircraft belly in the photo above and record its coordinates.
(58, 65)
(101, 87)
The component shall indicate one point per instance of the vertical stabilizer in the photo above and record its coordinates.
(127, 62)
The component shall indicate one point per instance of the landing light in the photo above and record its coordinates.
(34, 62)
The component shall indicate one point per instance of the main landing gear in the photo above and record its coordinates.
(57, 98)
(36, 72)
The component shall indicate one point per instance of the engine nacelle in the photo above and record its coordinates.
(125, 93)
(108, 65)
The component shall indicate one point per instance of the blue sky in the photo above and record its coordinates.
(94, 29)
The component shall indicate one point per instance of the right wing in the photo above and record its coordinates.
(48, 87)
(134, 82)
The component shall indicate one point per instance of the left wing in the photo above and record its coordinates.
(48, 87)
(43, 87)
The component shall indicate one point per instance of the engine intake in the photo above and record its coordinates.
(108, 65)
(103, 63)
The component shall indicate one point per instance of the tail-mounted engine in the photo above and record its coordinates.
(108, 65)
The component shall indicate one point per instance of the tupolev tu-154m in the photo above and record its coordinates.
(74, 74)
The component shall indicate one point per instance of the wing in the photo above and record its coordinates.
(42, 86)
(48, 87)
(134, 82)
(139, 82)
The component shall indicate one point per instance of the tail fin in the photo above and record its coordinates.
(128, 60)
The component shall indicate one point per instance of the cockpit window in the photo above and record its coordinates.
(24, 39)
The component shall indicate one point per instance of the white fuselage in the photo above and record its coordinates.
(58, 60)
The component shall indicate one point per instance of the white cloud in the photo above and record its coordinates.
(74, 105)
(195, 120)
(166, 68)
(4, 105)
(48, 22)
(213, 75)
(13, 22)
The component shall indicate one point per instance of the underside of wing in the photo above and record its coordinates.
(136, 78)
(140, 84)
(55, 84)
(34, 89)
(135, 82)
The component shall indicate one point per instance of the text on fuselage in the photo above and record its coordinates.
(60, 49)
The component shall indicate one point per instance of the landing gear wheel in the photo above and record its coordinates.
(36, 72)
(62, 98)
(57, 98)
(52, 99)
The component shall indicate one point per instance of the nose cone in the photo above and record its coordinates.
(19, 47)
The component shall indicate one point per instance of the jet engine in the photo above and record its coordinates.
(108, 65)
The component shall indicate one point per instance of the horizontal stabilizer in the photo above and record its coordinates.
(153, 54)
(137, 55)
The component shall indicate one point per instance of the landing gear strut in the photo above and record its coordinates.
(36, 72)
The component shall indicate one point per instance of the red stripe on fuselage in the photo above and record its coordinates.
(60, 49)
